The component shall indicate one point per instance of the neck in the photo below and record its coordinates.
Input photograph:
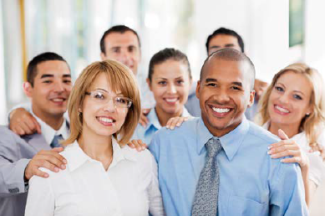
(54, 121)
(289, 129)
(163, 117)
(99, 148)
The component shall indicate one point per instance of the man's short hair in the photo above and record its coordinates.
(43, 57)
(117, 29)
(225, 31)
(229, 54)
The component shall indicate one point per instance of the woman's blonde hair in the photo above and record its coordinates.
(312, 124)
(120, 78)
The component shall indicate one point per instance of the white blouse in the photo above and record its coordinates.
(128, 187)
(316, 164)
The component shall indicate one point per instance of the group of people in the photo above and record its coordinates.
(81, 149)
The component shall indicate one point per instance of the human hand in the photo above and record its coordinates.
(318, 148)
(138, 145)
(22, 122)
(176, 122)
(259, 87)
(287, 147)
(143, 117)
(50, 159)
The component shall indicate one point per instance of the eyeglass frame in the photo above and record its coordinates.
(129, 101)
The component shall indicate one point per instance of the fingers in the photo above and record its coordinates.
(37, 126)
(138, 145)
(143, 120)
(282, 135)
(22, 122)
(175, 122)
(286, 153)
(291, 160)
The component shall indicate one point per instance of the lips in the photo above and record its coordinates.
(106, 121)
(58, 100)
(220, 111)
(171, 101)
(281, 110)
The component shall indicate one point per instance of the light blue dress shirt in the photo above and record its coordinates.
(146, 133)
(251, 183)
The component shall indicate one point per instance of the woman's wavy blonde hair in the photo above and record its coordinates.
(312, 124)
(119, 78)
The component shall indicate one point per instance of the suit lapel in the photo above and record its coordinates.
(37, 141)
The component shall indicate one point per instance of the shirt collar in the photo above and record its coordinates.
(230, 141)
(48, 132)
(154, 121)
(77, 157)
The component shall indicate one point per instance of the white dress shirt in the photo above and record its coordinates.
(316, 164)
(128, 187)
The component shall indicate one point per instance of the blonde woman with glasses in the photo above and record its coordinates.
(103, 175)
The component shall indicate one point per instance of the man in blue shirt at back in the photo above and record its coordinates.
(218, 164)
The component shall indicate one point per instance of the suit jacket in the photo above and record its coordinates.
(15, 154)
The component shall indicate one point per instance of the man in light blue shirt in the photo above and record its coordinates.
(250, 182)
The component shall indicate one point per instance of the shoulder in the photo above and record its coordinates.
(188, 128)
(133, 154)
(10, 139)
(261, 134)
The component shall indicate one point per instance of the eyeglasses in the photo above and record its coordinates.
(103, 98)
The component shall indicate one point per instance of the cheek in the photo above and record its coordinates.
(158, 91)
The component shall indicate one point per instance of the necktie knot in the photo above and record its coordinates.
(213, 147)
(56, 141)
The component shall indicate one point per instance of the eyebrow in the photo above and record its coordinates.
(215, 80)
(51, 75)
(101, 89)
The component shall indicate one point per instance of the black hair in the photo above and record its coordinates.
(166, 54)
(43, 57)
(119, 29)
(230, 54)
(225, 31)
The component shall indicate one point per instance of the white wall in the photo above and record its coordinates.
(3, 101)
(263, 25)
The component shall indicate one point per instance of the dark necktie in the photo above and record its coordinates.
(206, 194)
(56, 141)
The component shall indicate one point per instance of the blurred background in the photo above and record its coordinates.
(276, 33)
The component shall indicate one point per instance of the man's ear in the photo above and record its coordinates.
(198, 86)
(149, 84)
(251, 98)
(28, 89)
(103, 56)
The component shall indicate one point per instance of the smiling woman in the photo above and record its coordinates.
(103, 176)
(295, 103)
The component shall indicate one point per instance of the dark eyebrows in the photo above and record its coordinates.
(47, 76)
(238, 84)
(211, 80)
(51, 75)
(229, 45)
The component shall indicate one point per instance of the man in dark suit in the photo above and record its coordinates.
(48, 86)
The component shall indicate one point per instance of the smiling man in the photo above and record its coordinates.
(218, 164)
(48, 86)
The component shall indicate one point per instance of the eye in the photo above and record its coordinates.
(47, 81)
(116, 50)
(99, 95)
(180, 82)
(67, 81)
(298, 97)
(236, 88)
(211, 84)
(121, 100)
(131, 49)
(162, 83)
(279, 89)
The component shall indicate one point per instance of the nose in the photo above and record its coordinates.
(59, 86)
(124, 58)
(222, 97)
(283, 98)
(110, 106)
(172, 89)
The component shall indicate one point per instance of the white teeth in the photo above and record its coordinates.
(220, 110)
(106, 120)
(57, 99)
(171, 100)
(281, 109)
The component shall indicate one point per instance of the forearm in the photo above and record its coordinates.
(305, 178)
(12, 177)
